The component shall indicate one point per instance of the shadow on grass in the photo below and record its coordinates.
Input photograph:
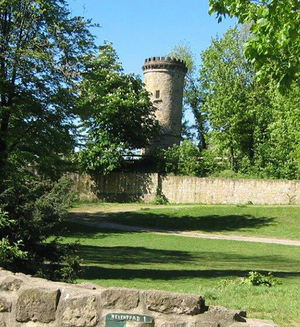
(120, 255)
(77, 231)
(206, 223)
(95, 272)
(128, 257)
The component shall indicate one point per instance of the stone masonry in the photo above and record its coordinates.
(164, 79)
(33, 302)
(132, 187)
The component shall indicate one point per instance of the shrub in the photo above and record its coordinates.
(9, 251)
(257, 279)
(186, 159)
(30, 209)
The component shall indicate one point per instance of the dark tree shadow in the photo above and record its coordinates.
(207, 223)
(127, 256)
(78, 231)
(121, 255)
(122, 187)
(96, 272)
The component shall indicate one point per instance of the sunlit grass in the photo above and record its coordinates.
(259, 221)
(149, 261)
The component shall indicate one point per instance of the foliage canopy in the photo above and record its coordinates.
(41, 48)
(250, 128)
(41, 56)
(274, 47)
(116, 111)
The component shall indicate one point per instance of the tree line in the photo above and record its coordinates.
(243, 127)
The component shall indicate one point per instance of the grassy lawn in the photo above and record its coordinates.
(149, 261)
(260, 221)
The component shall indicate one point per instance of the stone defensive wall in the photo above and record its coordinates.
(32, 302)
(131, 187)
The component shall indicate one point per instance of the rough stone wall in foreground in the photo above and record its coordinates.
(124, 187)
(32, 302)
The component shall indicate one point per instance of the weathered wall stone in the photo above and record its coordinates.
(120, 298)
(40, 303)
(166, 302)
(257, 323)
(10, 283)
(207, 324)
(37, 304)
(123, 187)
(79, 311)
(5, 305)
(120, 187)
(225, 316)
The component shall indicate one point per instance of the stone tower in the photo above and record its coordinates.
(164, 79)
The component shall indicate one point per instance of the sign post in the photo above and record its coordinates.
(120, 319)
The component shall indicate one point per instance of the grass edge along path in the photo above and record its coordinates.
(113, 226)
(270, 222)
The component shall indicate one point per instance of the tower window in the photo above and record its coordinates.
(157, 94)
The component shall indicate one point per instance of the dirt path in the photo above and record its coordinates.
(101, 210)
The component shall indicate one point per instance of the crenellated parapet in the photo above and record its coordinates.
(165, 63)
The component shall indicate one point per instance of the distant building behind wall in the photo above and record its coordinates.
(164, 79)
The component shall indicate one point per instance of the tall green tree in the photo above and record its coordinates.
(41, 57)
(235, 103)
(116, 110)
(192, 97)
(41, 51)
(279, 156)
(274, 47)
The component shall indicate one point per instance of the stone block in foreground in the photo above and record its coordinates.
(173, 303)
(33, 302)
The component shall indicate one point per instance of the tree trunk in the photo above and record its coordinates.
(3, 139)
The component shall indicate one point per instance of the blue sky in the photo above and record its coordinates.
(140, 29)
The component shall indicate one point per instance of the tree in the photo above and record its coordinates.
(41, 57)
(116, 110)
(235, 103)
(186, 159)
(41, 50)
(274, 47)
(192, 96)
(279, 155)
(29, 210)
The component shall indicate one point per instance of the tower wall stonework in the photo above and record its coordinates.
(164, 80)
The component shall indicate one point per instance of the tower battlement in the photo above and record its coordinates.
(164, 63)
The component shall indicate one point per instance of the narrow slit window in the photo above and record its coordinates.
(157, 94)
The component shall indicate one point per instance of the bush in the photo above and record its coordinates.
(254, 279)
(257, 279)
(30, 209)
(9, 251)
(186, 159)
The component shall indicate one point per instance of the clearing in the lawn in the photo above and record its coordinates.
(213, 268)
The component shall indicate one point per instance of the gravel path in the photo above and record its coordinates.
(106, 225)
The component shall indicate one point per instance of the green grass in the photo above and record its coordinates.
(259, 221)
(149, 261)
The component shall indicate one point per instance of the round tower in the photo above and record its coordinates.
(164, 80)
